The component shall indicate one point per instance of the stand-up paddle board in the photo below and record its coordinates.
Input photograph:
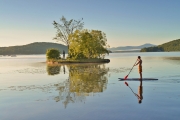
(136, 79)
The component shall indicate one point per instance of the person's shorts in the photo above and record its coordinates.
(140, 69)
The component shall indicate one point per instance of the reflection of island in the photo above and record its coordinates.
(84, 80)
(53, 70)
(87, 78)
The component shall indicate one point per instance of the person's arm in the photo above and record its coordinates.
(137, 95)
(137, 63)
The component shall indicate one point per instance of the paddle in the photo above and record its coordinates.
(129, 71)
(132, 90)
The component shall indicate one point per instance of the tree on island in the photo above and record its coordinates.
(82, 44)
(52, 54)
(65, 28)
(87, 44)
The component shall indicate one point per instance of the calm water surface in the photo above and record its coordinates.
(31, 90)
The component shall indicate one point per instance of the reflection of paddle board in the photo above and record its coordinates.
(136, 79)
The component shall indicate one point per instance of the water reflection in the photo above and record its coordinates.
(64, 70)
(53, 70)
(139, 95)
(84, 80)
(140, 92)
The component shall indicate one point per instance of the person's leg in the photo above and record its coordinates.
(140, 82)
(140, 75)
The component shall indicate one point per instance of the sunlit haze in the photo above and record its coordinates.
(125, 22)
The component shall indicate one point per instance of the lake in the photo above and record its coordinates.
(32, 90)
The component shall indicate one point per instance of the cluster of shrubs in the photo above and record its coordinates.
(53, 54)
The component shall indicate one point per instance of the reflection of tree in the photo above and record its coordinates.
(84, 80)
(87, 78)
(53, 70)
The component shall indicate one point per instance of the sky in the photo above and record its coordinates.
(125, 22)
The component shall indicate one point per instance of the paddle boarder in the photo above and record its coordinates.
(63, 54)
(139, 63)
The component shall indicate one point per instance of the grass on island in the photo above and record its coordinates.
(79, 61)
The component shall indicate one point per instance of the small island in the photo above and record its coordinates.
(61, 61)
(84, 46)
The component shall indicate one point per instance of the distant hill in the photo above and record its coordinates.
(130, 48)
(169, 46)
(33, 48)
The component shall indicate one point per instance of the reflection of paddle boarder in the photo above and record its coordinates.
(140, 91)
(139, 63)
(64, 69)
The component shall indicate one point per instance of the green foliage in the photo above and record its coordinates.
(52, 54)
(169, 46)
(87, 44)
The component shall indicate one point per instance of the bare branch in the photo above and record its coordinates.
(65, 28)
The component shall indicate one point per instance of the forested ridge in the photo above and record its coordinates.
(167, 47)
(33, 48)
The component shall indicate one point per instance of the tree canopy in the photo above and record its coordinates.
(65, 28)
(87, 44)
(53, 53)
